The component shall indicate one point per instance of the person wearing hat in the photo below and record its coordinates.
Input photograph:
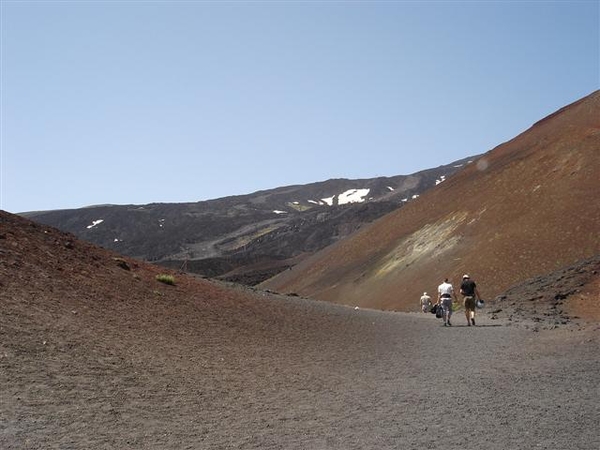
(425, 302)
(469, 291)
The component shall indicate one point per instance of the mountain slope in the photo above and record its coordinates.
(526, 208)
(245, 238)
(95, 353)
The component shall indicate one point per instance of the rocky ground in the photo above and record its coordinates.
(567, 296)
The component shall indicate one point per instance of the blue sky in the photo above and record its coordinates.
(139, 102)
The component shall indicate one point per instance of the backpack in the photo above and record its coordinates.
(439, 312)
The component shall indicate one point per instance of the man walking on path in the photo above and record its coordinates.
(445, 296)
(425, 302)
(468, 289)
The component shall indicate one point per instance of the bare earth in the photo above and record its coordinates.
(318, 377)
(97, 354)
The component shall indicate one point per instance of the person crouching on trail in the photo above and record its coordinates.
(445, 296)
(468, 289)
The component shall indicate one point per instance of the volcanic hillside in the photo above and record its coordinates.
(245, 238)
(526, 208)
(95, 352)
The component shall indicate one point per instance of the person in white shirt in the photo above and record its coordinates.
(445, 296)
(425, 302)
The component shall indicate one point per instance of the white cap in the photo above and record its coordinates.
(465, 276)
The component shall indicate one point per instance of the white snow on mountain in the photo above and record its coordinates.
(95, 222)
(276, 211)
(353, 196)
(349, 196)
(329, 200)
(356, 196)
(442, 178)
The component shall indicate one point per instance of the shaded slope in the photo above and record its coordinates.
(525, 208)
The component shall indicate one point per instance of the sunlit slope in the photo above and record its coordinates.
(527, 207)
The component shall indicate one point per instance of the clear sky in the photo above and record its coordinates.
(134, 102)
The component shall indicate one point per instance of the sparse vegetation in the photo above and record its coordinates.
(298, 207)
(167, 279)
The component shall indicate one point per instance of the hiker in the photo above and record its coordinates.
(445, 296)
(425, 302)
(469, 291)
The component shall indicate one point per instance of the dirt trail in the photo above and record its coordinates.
(294, 375)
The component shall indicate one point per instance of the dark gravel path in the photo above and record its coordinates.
(294, 374)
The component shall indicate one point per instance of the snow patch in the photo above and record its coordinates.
(349, 196)
(391, 188)
(276, 211)
(329, 200)
(441, 179)
(353, 196)
(94, 223)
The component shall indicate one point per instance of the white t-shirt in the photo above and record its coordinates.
(425, 300)
(445, 288)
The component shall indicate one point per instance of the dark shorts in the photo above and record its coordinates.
(470, 303)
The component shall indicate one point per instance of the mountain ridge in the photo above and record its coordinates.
(246, 238)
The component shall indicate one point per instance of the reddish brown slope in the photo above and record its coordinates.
(527, 207)
(95, 353)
